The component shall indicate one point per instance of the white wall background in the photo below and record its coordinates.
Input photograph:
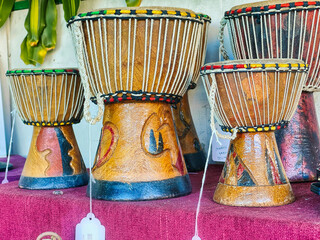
(12, 34)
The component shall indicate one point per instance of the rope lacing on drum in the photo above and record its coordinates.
(77, 37)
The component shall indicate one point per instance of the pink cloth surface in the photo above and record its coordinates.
(15, 173)
(25, 214)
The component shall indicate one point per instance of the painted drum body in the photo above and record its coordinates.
(139, 60)
(139, 151)
(254, 99)
(284, 29)
(189, 141)
(50, 100)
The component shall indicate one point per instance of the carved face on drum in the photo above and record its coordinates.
(51, 100)
(254, 99)
(138, 60)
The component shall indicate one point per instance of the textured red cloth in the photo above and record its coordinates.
(14, 174)
(25, 214)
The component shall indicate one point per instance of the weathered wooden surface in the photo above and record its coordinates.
(253, 174)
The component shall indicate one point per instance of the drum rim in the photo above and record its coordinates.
(205, 17)
(266, 6)
(256, 64)
(147, 12)
(43, 71)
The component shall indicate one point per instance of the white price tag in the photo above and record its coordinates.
(90, 228)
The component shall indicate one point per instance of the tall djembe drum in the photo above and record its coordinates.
(138, 61)
(51, 100)
(192, 150)
(285, 29)
(252, 99)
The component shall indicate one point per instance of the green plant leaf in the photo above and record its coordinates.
(5, 10)
(133, 3)
(70, 8)
(37, 11)
(49, 35)
(24, 53)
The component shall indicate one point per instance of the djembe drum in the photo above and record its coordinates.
(253, 99)
(50, 100)
(192, 151)
(139, 61)
(285, 29)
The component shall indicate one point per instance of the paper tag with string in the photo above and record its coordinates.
(90, 227)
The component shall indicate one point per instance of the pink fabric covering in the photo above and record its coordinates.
(15, 173)
(25, 214)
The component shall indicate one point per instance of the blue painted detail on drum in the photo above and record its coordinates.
(315, 188)
(140, 191)
(154, 147)
(3, 166)
(65, 148)
(35, 183)
(245, 180)
(195, 162)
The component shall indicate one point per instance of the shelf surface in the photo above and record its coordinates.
(25, 214)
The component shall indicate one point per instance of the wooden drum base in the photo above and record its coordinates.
(253, 174)
(192, 151)
(54, 160)
(299, 143)
(138, 157)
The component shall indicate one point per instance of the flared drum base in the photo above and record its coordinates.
(54, 182)
(195, 162)
(3, 166)
(139, 157)
(262, 196)
(299, 143)
(138, 191)
(54, 160)
(253, 175)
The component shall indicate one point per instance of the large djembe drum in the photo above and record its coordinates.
(192, 150)
(138, 61)
(51, 100)
(285, 29)
(252, 99)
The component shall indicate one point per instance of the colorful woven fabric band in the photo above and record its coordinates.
(205, 17)
(260, 128)
(137, 14)
(42, 71)
(121, 96)
(52, 124)
(239, 67)
(285, 7)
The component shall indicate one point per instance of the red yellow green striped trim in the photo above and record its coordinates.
(260, 128)
(279, 7)
(52, 124)
(137, 12)
(42, 71)
(299, 66)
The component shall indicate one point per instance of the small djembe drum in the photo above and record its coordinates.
(50, 100)
(138, 61)
(192, 151)
(252, 99)
(285, 29)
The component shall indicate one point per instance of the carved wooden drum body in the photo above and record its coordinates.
(189, 141)
(285, 29)
(139, 60)
(50, 100)
(254, 98)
